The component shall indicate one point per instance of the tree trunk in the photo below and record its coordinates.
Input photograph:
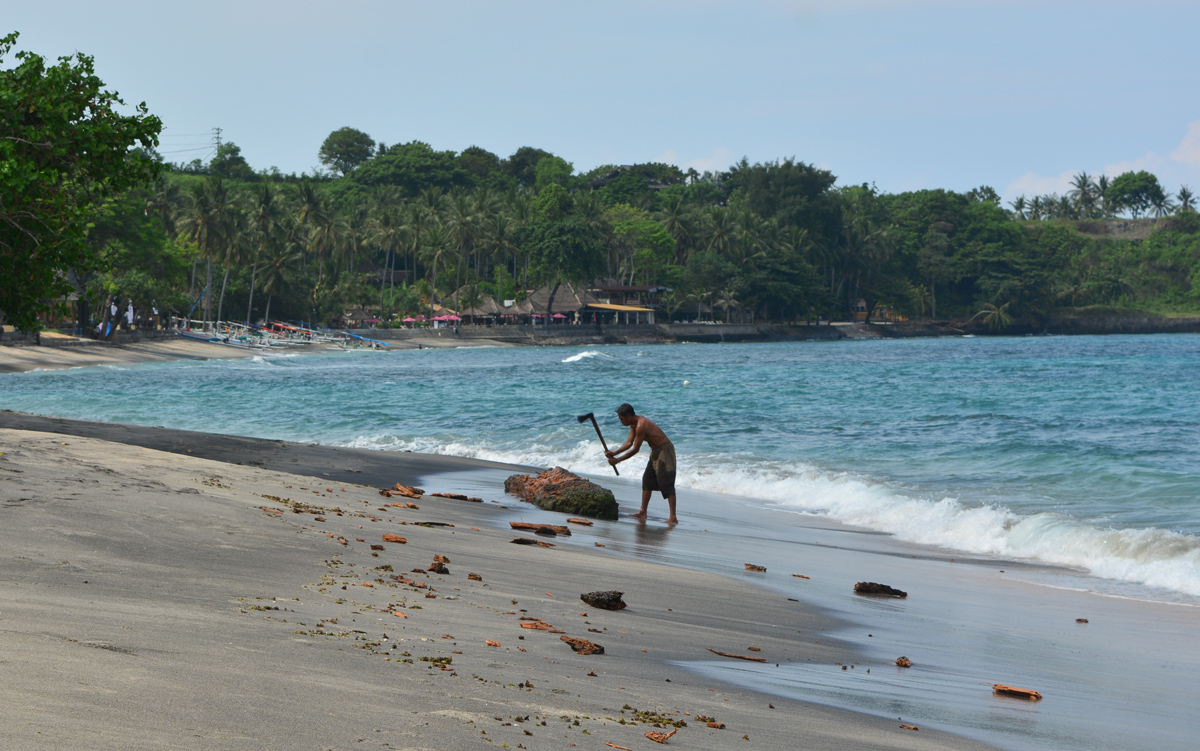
(208, 297)
(250, 305)
(267, 317)
(933, 298)
(221, 303)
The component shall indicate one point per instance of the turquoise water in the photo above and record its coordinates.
(1077, 451)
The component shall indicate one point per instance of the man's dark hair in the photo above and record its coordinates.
(625, 410)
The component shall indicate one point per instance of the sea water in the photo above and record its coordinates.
(1013, 484)
(1075, 451)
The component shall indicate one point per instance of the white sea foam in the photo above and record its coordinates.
(1152, 556)
(584, 355)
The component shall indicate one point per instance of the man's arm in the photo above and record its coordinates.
(623, 446)
(635, 435)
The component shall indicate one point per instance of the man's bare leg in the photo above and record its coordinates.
(671, 503)
(645, 505)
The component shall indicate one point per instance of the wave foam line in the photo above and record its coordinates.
(1152, 556)
(583, 355)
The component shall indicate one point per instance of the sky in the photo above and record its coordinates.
(905, 94)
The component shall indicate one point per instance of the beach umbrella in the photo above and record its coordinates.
(558, 315)
(453, 318)
(409, 320)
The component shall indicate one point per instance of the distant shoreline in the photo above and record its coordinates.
(19, 354)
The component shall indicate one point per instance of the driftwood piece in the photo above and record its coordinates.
(738, 657)
(658, 737)
(439, 558)
(623, 748)
(475, 577)
(1081, 620)
(457, 497)
(755, 567)
(552, 529)
(1020, 693)
(904, 662)
(491, 643)
(874, 588)
(801, 576)
(580, 522)
(583, 646)
(527, 541)
(910, 727)
(438, 568)
(610, 600)
(717, 725)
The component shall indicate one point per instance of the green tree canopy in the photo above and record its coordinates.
(345, 149)
(1135, 191)
(64, 148)
(522, 165)
(552, 170)
(229, 163)
(413, 167)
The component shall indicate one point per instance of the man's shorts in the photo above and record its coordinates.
(660, 471)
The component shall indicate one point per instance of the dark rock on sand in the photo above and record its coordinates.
(610, 600)
(872, 588)
(559, 490)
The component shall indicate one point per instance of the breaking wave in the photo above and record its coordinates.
(1150, 556)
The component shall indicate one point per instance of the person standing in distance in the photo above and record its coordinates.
(660, 471)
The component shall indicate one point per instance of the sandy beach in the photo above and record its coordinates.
(83, 352)
(178, 600)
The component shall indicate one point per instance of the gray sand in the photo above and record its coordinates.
(137, 600)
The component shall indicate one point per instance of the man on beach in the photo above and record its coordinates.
(660, 471)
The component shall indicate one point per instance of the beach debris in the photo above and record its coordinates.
(801, 576)
(535, 623)
(438, 568)
(910, 727)
(658, 737)
(716, 725)
(541, 529)
(559, 490)
(1020, 693)
(610, 600)
(320, 519)
(527, 541)
(874, 588)
(754, 649)
(398, 614)
(623, 748)
(389, 537)
(738, 657)
(1081, 620)
(272, 510)
(600, 545)
(491, 643)
(583, 646)
(439, 558)
(458, 497)
(755, 567)
(475, 577)
(404, 490)
(343, 540)
(904, 662)
(581, 522)
(592, 674)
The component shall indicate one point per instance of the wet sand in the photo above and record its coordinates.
(158, 599)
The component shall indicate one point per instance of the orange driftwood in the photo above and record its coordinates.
(389, 537)
(438, 568)
(801, 576)
(717, 725)
(475, 577)
(491, 643)
(753, 567)
(271, 510)
(904, 662)
(581, 522)
(623, 748)
(910, 727)
(541, 529)
(1023, 693)
(583, 646)
(738, 657)
(457, 497)
(438, 557)
(658, 737)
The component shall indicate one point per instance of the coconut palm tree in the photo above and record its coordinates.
(996, 318)
(1018, 207)
(1187, 201)
(205, 222)
(1083, 194)
(677, 218)
(279, 268)
(266, 215)
(1162, 206)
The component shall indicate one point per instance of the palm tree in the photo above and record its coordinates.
(205, 222)
(389, 233)
(920, 299)
(279, 269)
(676, 218)
(1107, 210)
(436, 249)
(1162, 206)
(1036, 210)
(267, 211)
(1187, 201)
(720, 230)
(1083, 193)
(997, 319)
(727, 299)
(1018, 207)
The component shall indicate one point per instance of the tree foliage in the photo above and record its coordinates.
(65, 148)
(345, 149)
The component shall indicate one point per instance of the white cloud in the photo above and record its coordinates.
(719, 160)
(1188, 151)
(1032, 184)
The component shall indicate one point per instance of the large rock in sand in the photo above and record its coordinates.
(559, 490)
